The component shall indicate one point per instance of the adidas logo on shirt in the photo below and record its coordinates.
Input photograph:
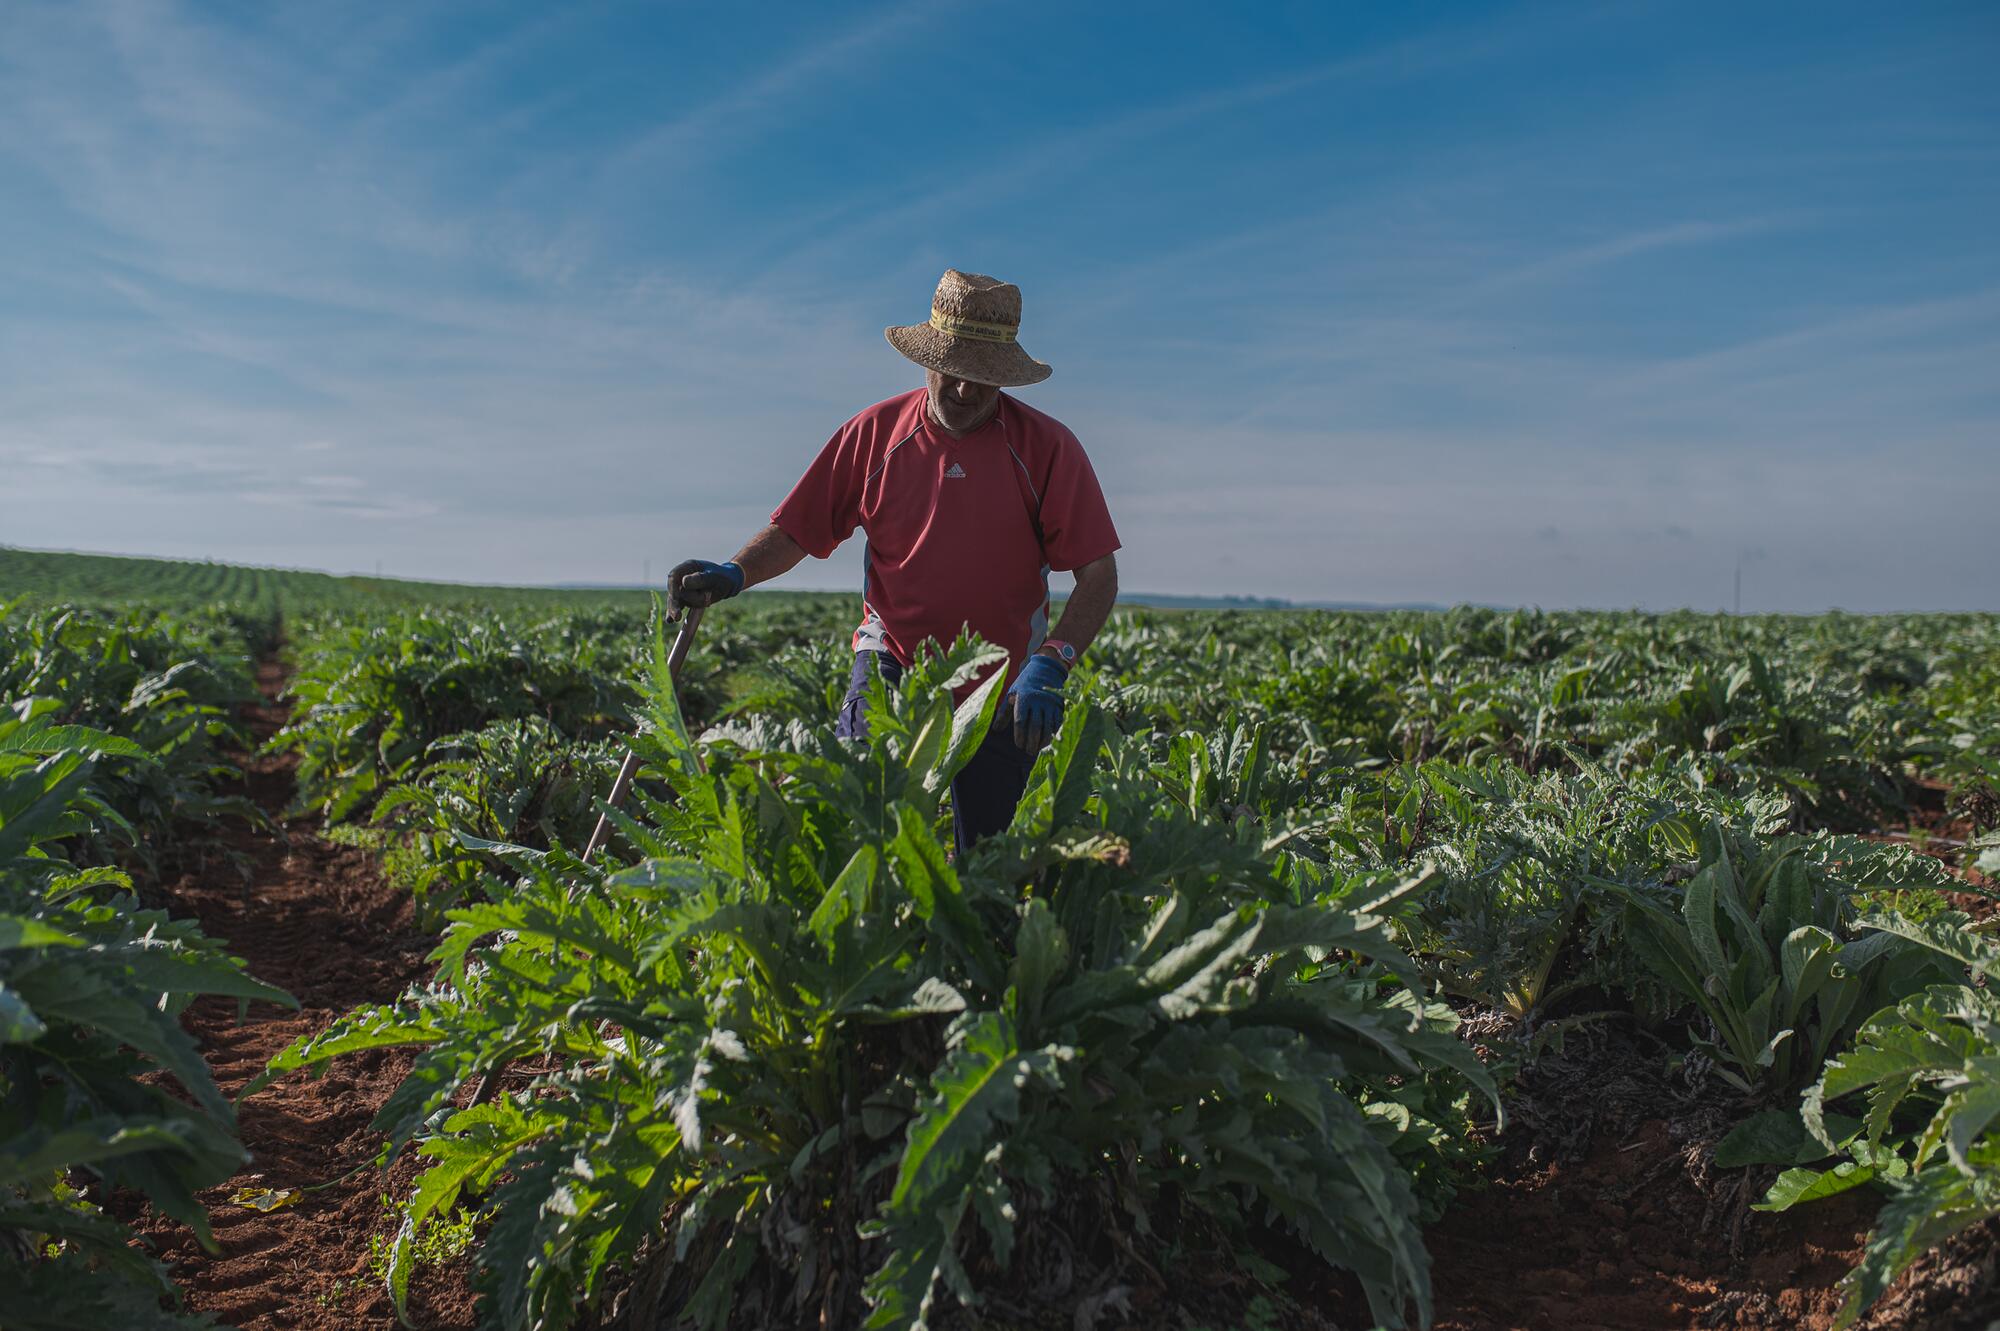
(954, 472)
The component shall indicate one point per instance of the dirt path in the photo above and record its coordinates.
(1623, 1240)
(318, 921)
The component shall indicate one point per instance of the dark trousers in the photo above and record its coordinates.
(987, 788)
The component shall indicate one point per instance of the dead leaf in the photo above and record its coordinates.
(266, 1199)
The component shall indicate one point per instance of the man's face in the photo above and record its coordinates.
(959, 404)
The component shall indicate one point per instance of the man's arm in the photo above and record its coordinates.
(1090, 604)
(767, 555)
(696, 582)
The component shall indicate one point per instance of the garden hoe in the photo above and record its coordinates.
(676, 657)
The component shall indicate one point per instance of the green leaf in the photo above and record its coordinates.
(847, 896)
(89, 1000)
(17, 931)
(1041, 953)
(927, 745)
(970, 724)
(396, 1278)
(1922, 1211)
(975, 1093)
(1064, 774)
(1795, 1186)
(1779, 1137)
(27, 1158)
(1949, 933)
(940, 900)
(59, 739)
(177, 971)
(1698, 909)
(362, 1029)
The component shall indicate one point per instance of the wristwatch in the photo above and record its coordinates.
(1063, 651)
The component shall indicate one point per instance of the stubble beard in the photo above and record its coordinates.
(939, 418)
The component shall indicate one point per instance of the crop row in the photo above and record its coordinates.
(111, 746)
(779, 1058)
(806, 1067)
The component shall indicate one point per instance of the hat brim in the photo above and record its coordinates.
(1001, 364)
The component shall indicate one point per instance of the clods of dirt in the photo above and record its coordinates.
(1624, 1239)
(318, 921)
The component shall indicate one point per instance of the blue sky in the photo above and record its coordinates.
(1558, 305)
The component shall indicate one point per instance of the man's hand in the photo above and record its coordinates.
(1036, 695)
(699, 584)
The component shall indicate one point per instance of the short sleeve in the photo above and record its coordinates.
(1076, 524)
(824, 508)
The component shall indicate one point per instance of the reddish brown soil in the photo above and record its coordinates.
(1624, 1239)
(318, 921)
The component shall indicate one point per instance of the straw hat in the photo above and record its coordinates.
(971, 333)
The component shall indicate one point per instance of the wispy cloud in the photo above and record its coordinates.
(1038, 163)
(1565, 264)
(760, 97)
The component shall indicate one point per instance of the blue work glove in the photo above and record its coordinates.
(698, 583)
(1036, 697)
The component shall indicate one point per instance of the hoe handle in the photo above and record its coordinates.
(676, 658)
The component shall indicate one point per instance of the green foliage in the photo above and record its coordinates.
(110, 740)
(438, 1240)
(164, 686)
(374, 698)
(1932, 1062)
(1522, 912)
(782, 1013)
(800, 1041)
(91, 989)
(1964, 696)
(1765, 946)
(515, 782)
(1761, 727)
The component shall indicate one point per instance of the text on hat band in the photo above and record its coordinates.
(985, 332)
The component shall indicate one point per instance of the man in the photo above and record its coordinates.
(968, 499)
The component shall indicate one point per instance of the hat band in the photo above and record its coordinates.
(985, 332)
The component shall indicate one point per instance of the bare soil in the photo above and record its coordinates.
(318, 921)
(1625, 1238)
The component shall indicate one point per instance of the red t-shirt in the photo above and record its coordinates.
(960, 531)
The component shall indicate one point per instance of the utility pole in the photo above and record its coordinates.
(1739, 580)
(647, 579)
